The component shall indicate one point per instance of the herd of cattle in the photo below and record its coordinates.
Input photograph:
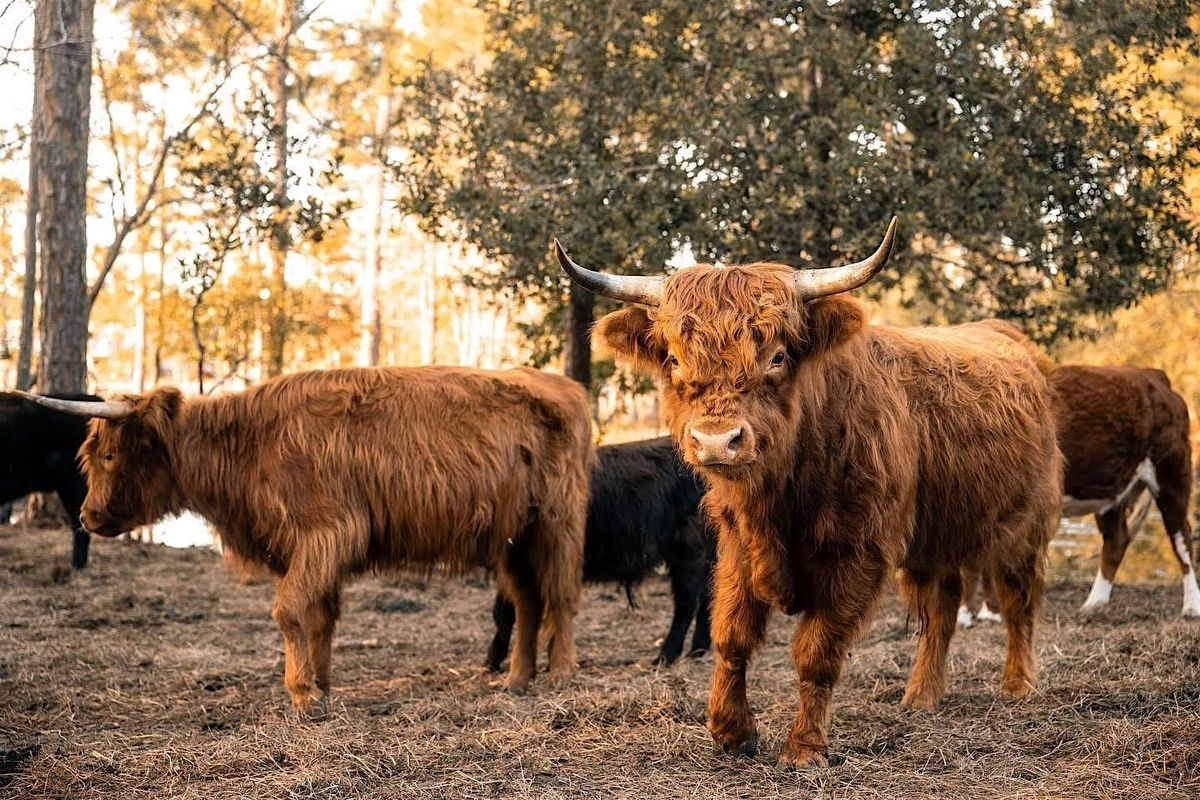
(812, 457)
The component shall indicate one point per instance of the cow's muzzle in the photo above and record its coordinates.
(716, 441)
(97, 522)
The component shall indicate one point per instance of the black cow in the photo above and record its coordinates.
(644, 511)
(37, 454)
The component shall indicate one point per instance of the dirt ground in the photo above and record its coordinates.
(156, 674)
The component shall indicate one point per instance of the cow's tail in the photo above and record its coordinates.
(1138, 511)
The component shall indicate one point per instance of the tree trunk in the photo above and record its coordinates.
(281, 240)
(62, 94)
(29, 291)
(577, 358)
(138, 378)
(372, 323)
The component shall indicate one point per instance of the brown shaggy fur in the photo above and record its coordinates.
(1110, 420)
(320, 476)
(863, 450)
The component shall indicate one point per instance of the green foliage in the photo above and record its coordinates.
(1015, 144)
(560, 133)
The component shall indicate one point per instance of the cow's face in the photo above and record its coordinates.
(729, 346)
(127, 462)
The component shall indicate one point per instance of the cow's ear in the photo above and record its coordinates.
(159, 409)
(833, 321)
(627, 333)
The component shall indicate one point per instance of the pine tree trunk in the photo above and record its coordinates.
(372, 322)
(281, 243)
(62, 94)
(29, 290)
(577, 357)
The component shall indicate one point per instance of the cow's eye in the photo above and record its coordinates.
(109, 457)
(777, 360)
(673, 361)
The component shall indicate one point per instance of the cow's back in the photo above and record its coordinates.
(1110, 420)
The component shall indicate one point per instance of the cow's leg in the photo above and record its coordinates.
(1174, 474)
(936, 599)
(739, 623)
(504, 615)
(1115, 531)
(989, 611)
(1019, 586)
(306, 601)
(687, 578)
(702, 637)
(559, 557)
(820, 647)
(972, 589)
(299, 675)
(72, 500)
(319, 622)
(516, 582)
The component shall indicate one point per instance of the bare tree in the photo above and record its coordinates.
(372, 324)
(281, 239)
(134, 212)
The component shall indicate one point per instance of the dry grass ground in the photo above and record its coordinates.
(156, 674)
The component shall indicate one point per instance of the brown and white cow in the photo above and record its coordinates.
(1124, 434)
(836, 452)
(320, 476)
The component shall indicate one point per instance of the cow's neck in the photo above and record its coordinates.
(218, 476)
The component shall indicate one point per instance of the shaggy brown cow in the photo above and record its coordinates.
(1124, 435)
(319, 476)
(836, 452)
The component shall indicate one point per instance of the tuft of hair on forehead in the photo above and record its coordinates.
(736, 306)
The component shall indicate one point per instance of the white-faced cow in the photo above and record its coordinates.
(836, 452)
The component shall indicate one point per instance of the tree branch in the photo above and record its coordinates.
(143, 211)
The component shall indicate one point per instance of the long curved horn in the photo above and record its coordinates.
(107, 409)
(631, 288)
(821, 282)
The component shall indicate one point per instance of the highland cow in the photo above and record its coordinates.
(321, 476)
(836, 452)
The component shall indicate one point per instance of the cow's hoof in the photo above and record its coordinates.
(987, 615)
(560, 677)
(919, 702)
(697, 652)
(747, 748)
(311, 709)
(1016, 688)
(516, 685)
(965, 618)
(664, 660)
(1093, 610)
(803, 759)
(1190, 612)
